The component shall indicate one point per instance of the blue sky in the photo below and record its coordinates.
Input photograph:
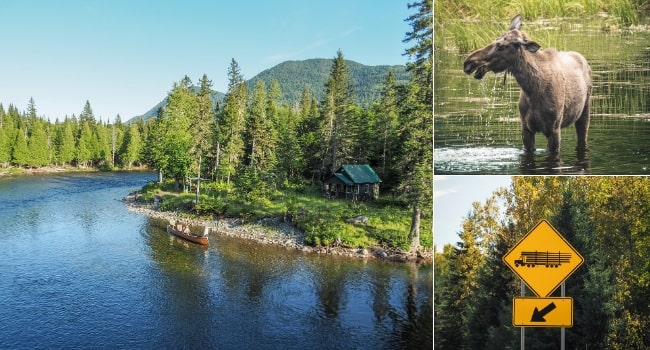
(453, 198)
(123, 56)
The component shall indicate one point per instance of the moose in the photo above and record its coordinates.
(555, 85)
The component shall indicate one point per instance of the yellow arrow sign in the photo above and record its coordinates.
(542, 312)
(543, 259)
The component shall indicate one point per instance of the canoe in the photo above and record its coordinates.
(183, 231)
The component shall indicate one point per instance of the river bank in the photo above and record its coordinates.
(274, 231)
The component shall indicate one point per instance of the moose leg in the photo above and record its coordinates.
(582, 126)
(529, 139)
(554, 141)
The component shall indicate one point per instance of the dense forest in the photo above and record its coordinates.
(296, 76)
(606, 220)
(254, 142)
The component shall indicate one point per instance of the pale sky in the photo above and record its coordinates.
(123, 55)
(453, 198)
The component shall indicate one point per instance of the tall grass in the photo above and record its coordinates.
(463, 25)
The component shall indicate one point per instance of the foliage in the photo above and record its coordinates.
(468, 24)
(604, 218)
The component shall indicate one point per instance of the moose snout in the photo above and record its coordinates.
(468, 67)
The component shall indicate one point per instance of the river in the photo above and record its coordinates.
(79, 270)
(476, 124)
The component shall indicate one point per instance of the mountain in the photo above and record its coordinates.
(312, 74)
(295, 76)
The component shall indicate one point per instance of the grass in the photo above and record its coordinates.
(464, 25)
(322, 220)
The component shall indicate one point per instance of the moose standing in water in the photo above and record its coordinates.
(555, 85)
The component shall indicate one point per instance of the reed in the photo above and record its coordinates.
(462, 25)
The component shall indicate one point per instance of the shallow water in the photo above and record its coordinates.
(476, 123)
(81, 271)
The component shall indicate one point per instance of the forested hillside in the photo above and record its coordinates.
(606, 220)
(295, 76)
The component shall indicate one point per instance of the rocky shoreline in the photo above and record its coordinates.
(274, 231)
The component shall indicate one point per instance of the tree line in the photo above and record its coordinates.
(253, 142)
(605, 218)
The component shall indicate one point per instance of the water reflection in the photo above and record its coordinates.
(478, 121)
(129, 284)
(242, 294)
(554, 164)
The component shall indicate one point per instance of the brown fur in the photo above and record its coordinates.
(555, 85)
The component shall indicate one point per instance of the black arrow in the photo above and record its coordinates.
(538, 315)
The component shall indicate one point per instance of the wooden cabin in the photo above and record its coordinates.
(352, 181)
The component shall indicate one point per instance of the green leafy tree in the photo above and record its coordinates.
(154, 152)
(462, 280)
(182, 106)
(132, 146)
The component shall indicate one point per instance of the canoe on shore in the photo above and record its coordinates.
(183, 231)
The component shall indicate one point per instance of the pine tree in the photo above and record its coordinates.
(233, 121)
(291, 159)
(387, 124)
(5, 150)
(65, 143)
(416, 154)
(261, 135)
(337, 110)
(202, 127)
(84, 150)
(38, 145)
(309, 135)
(87, 115)
(20, 151)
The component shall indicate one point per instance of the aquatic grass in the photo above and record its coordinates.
(467, 24)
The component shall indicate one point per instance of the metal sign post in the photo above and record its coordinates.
(523, 329)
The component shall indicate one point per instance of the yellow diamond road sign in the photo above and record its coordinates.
(543, 259)
(542, 312)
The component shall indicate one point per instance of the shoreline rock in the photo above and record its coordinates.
(274, 231)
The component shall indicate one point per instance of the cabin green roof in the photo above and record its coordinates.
(356, 174)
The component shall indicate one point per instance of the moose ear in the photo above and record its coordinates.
(531, 46)
(515, 23)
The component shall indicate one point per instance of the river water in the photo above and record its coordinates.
(476, 124)
(79, 270)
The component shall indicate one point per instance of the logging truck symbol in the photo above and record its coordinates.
(548, 259)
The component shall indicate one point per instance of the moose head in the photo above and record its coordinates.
(502, 53)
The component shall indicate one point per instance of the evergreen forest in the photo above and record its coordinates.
(604, 218)
(254, 144)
